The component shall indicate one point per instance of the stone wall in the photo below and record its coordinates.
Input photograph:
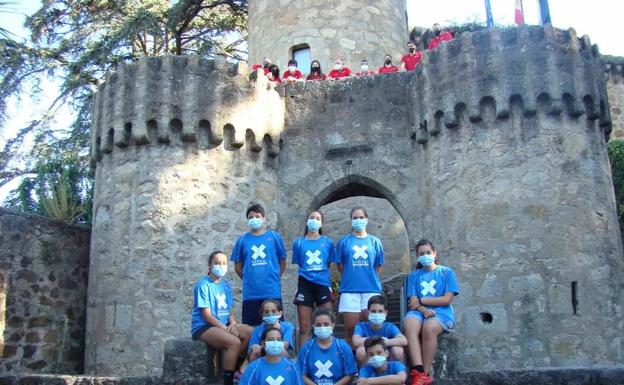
(349, 29)
(614, 71)
(43, 293)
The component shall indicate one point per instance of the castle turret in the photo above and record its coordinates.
(351, 30)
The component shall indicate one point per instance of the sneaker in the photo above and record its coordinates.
(418, 378)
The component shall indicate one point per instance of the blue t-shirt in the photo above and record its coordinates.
(215, 296)
(260, 256)
(326, 366)
(388, 330)
(313, 257)
(286, 328)
(423, 283)
(359, 257)
(262, 372)
(394, 367)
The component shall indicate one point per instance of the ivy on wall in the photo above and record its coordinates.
(616, 157)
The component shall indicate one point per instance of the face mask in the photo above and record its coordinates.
(323, 332)
(359, 224)
(219, 270)
(337, 66)
(377, 318)
(292, 68)
(364, 67)
(412, 50)
(388, 61)
(437, 32)
(270, 319)
(315, 68)
(274, 348)
(377, 361)
(426, 260)
(313, 224)
(266, 64)
(255, 223)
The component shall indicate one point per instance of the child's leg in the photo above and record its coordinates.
(360, 354)
(304, 313)
(397, 353)
(350, 320)
(412, 327)
(220, 339)
(244, 334)
(430, 332)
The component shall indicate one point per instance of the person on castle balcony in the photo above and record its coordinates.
(364, 70)
(388, 67)
(313, 253)
(339, 71)
(430, 291)
(316, 73)
(439, 36)
(380, 371)
(273, 368)
(271, 311)
(293, 74)
(326, 359)
(274, 75)
(212, 318)
(360, 257)
(410, 60)
(259, 258)
(377, 326)
(264, 66)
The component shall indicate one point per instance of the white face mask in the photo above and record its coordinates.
(364, 67)
(292, 68)
(337, 66)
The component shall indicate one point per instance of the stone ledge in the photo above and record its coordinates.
(53, 379)
(558, 376)
(188, 362)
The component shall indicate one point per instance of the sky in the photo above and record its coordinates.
(598, 19)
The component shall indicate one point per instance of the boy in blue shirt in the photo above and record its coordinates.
(259, 258)
(378, 327)
(379, 370)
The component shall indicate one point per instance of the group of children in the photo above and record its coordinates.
(263, 346)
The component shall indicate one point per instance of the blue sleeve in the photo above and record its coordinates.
(296, 255)
(249, 375)
(202, 296)
(337, 257)
(397, 367)
(451, 282)
(288, 333)
(349, 360)
(230, 296)
(358, 330)
(365, 372)
(379, 253)
(295, 374)
(411, 291)
(280, 247)
(238, 252)
(392, 330)
(302, 357)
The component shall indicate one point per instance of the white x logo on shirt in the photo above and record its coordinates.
(360, 252)
(221, 304)
(323, 369)
(313, 257)
(428, 287)
(274, 381)
(258, 251)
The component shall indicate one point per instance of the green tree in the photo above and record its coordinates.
(616, 157)
(76, 42)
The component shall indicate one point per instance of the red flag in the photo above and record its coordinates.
(519, 13)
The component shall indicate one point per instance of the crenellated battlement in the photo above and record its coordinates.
(531, 67)
(181, 99)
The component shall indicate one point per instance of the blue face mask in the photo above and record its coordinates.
(377, 361)
(274, 348)
(426, 260)
(270, 319)
(323, 332)
(359, 224)
(377, 318)
(219, 270)
(313, 224)
(255, 223)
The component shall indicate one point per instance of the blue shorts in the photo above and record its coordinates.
(444, 320)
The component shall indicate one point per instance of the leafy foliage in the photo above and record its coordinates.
(616, 157)
(76, 42)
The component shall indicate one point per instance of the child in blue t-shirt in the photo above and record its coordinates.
(271, 313)
(359, 257)
(326, 360)
(378, 327)
(379, 368)
(212, 318)
(430, 291)
(259, 258)
(312, 252)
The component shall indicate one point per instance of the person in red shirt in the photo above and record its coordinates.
(265, 66)
(410, 60)
(364, 71)
(293, 74)
(388, 67)
(315, 71)
(339, 70)
(273, 74)
(439, 37)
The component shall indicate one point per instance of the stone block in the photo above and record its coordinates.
(446, 362)
(189, 362)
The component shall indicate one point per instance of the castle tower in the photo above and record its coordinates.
(350, 29)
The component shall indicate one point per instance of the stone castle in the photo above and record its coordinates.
(494, 148)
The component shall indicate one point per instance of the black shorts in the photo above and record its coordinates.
(310, 293)
(201, 331)
(251, 311)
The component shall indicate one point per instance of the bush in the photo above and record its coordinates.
(616, 157)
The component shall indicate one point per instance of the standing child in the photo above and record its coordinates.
(430, 291)
(259, 258)
(378, 327)
(312, 252)
(379, 370)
